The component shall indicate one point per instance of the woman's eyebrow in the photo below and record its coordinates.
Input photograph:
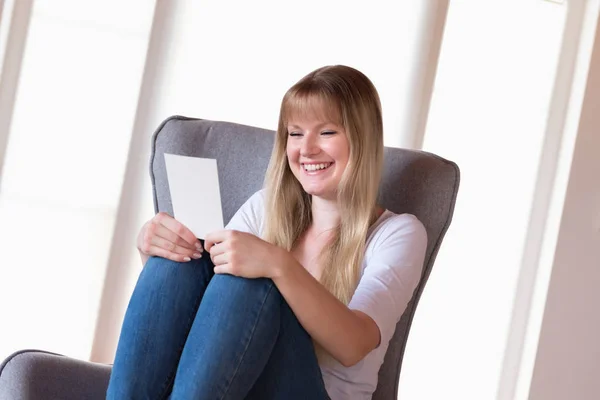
(321, 125)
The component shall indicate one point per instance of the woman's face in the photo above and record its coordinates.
(317, 151)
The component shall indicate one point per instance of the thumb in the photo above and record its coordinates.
(213, 238)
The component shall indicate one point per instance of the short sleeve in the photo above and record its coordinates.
(392, 269)
(249, 217)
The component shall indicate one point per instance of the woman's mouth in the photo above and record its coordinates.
(314, 168)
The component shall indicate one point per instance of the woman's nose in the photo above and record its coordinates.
(309, 146)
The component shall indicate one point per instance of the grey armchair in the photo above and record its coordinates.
(415, 182)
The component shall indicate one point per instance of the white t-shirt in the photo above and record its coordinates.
(394, 255)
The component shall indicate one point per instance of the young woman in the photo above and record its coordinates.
(299, 296)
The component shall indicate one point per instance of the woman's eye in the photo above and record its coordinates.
(295, 134)
(328, 133)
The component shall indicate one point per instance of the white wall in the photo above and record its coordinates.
(230, 61)
(568, 357)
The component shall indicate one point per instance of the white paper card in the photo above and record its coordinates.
(194, 187)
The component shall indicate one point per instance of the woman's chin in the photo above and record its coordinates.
(319, 192)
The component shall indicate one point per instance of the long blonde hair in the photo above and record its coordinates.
(347, 96)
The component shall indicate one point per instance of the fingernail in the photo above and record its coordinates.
(199, 246)
(197, 255)
(186, 259)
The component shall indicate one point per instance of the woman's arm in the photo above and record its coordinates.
(348, 335)
(350, 332)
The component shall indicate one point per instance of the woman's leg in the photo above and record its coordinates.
(161, 311)
(247, 343)
(229, 347)
(236, 327)
(292, 372)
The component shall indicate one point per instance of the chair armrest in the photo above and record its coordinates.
(37, 375)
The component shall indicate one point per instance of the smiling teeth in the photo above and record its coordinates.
(315, 167)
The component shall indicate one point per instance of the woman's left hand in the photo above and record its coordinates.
(243, 254)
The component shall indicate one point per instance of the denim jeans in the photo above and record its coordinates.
(191, 334)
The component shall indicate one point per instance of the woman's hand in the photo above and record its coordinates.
(164, 236)
(243, 254)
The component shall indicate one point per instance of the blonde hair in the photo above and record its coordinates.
(347, 96)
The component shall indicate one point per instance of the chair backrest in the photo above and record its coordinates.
(414, 182)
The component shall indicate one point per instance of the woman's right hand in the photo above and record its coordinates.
(164, 236)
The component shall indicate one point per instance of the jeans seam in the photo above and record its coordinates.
(171, 378)
(237, 368)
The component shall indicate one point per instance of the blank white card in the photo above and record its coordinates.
(194, 188)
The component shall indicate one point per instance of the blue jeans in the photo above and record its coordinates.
(191, 334)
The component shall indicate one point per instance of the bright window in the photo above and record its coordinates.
(488, 114)
(64, 166)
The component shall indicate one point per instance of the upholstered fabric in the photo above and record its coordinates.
(415, 182)
(39, 375)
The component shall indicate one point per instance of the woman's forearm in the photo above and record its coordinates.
(144, 257)
(346, 334)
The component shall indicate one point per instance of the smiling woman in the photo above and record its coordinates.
(300, 295)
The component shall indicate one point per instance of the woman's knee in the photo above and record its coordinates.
(166, 268)
(245, 289)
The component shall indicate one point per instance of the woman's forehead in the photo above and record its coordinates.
(306, 120)
(312, 108)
